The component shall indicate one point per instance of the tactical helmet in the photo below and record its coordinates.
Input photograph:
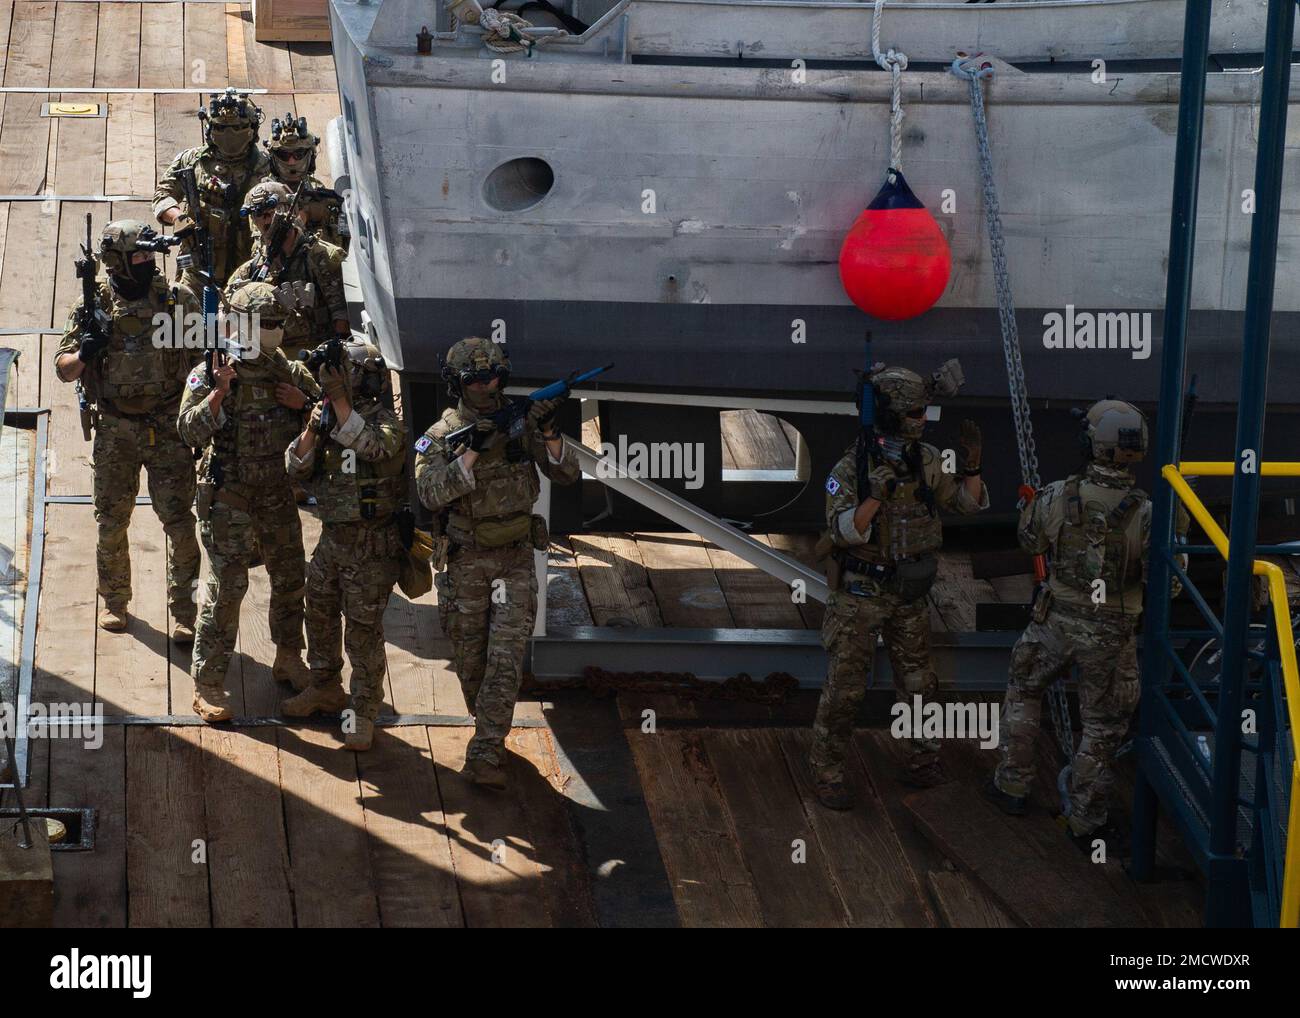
(121, 239)
(268, 196)
(230, 122)
(901, 398)
(369, 372)
(258, 318)
(1114, 433)
(475, 360)
(292, 148)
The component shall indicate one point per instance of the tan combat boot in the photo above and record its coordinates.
(183, 633)
(482, 772)
(314, 699)
(113, 619)
(360, 739)
(212, 704)
(289, 667)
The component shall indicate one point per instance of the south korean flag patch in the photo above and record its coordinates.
(832, 485)
(195, 381)
(422, 445)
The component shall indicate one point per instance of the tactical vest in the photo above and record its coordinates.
(221, 197)
(310, 320)
(250, 448)
(366, 490)
(1093, 542)
(904, 527)
(505, 481)
(133, 376)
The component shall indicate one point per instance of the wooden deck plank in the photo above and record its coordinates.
(129, 146)
(80, 149)
(73, 58)
(614, 579)
(267, 62)
(24, 153)
(755, 599)
(6, 22)
(710, 883)
(164, 819)
(956, 591)
(31, 42)
(319, 110)
(538, 788)
(491, 850)
(683, 581)
(413, 641)
(162, 49)
(236, 58)
(414, 876)
(755, 441)
(205, 46)
(333, 885)
(313, 65)
(90, 888)
(261, 693)
(64, 288)
(962, 905)
(64, 668)
(176, 128)
(769, 819)
(800, 548)
(566, 604)
(25, 378)
(860, 847)
(131, 668)
(117, 60)
(67, 454)
(248, 854)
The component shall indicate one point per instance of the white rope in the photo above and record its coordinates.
(895, 62)
(503, 32)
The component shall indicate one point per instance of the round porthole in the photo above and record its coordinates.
(518, 184)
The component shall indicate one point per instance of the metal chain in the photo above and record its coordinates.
(1058, 703)
(895, 62)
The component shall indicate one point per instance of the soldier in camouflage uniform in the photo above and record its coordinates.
(137, 387)
(885, 533)
(307, 270)
(1097, 529)
(358, 475)
(292, 149)
(487, 598)
(226, 166)
(244, 419)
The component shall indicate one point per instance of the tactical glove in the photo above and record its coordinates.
(882, 483)
(91, 347)
(334, 381)
(483, 432)
(971, 441)
(542, 413)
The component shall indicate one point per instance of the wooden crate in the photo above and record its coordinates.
(291, 20)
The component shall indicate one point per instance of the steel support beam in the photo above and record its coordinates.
(1169, 420)
(1227, 898)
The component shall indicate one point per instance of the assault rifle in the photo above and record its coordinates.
(199, 261)
(509, 420)
(92, 321)
(330, 352)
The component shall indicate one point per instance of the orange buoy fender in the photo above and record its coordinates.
(895, 262)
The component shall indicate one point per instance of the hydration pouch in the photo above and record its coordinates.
(203, 500)
(499, 533)
(541, 533)
(912, 580)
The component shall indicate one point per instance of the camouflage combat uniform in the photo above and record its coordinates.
(487, 598)
(222, 186)
(312, 261)
(1097, 527)
(325, 216)
(355, 564)
(137, 389)
(865, 601)
(244, 456)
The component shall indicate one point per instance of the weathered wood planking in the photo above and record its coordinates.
(166, 828)
(333, 885)
(236, 59)
(313, 66)
(73, 59)
(615, 580)
(962, 905)
(6, 21)
(205, 46)
(64, 287)
(80, 147)
(248, 854)
(25, 378)
(414, 641)
(491, 848)
(752, 440)
(956, 591)
(683, 581)
(261, 693)
(538, 788)
(566, 604)
(267, 62)
(90, 888)
(64, 667)
(24, 151)
(31, 41)
(131, 668)
(800, 548)
(710, 882)
(162, 50)
(770, 824)
(130, 146)
(860, 847)
(117, 58)
(176, 128)
(411, 859)
(755, 599)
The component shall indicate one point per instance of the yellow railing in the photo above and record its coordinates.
(1286, 647)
